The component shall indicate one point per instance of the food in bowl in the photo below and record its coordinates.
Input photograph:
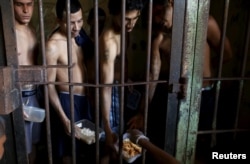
(88, 135)
(88, 131)
(130, 149)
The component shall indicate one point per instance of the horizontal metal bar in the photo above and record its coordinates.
(92, 85)
(226, 78)
(47, 66)
(223, 131)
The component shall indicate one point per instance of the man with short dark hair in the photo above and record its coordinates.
(110, 64)
(27, 50)
(56, 54)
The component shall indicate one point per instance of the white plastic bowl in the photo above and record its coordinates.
(88, 125)
(125, 157)
(34, 114)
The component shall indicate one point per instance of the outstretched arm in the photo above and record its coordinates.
(155, 66)
(107, 59)
(158, 154)
(52, 59)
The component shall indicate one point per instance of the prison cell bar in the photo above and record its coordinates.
(70, 76)
(97, 90)
(122, 53)
(149, 37)
(12, 60)
(42, 39)
(218, 84)
(243, 71)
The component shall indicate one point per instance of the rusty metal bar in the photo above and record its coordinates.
(97, 90)
(223, 131)
(174, 76)
(46, 97)
(202, 11)
(149, 37)
(70, 77)
(12, 61)
(99, 85)
(218, 85)
(123, 53)
(227, 78)
(243, 71)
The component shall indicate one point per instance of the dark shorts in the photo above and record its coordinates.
(207, 109)
(60, 140)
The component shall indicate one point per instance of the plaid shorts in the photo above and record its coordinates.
(115, 109)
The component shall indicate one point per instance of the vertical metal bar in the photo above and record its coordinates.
(218, 85)
(150, 10)
(42, 37)
(123, 53)
(12, 60)
(197, 77)
(97, 115)
(70, 76)
(174, 76)
(243, 71)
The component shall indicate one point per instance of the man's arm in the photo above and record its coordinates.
(155, 66)
(137, 120)
(158, 154)
(107, 57)
(52, 58)
(214, 38)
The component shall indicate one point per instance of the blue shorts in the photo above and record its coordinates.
(60, 140)
(32, 129)
(115, 109)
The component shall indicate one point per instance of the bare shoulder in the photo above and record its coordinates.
(211, 21)
(158, 39)
(107, 36)
(108, 40)
(56, 41)
(109, 47)
(212, 25)
(213, 29)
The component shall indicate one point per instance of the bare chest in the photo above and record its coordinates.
(165, 45)
(26, 49)
(75, 55)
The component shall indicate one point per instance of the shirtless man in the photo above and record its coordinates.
(110, 63)
(161, 51)
(27, 55)
(56, 54)
(160, 58)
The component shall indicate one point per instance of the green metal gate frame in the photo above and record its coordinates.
(194, 37)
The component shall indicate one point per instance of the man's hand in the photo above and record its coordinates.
(135, 135)
(112, 142)
(136, 122)
(67, 128)
(112, 146)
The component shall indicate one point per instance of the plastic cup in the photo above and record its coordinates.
(34, 114)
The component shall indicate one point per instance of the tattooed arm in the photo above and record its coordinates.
(108, 48)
